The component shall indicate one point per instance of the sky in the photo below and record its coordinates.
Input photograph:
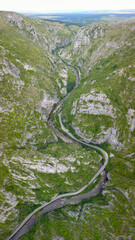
(65, 5)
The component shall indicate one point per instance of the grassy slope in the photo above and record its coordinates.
(107, 65)
(108, 216)
(33, 167)
(107, 68)
(27, 152)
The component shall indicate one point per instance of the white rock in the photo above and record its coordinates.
(16, 18)
(8, 205)
(95, 107)
(46, 104)
(59, 84)
(112, 155)
(10, 68)
(92, 104)
(74, 108)
(57, 238)
(131, 119)
(63, 91)
(109, 135)
(28, 67)
(131, 78)
(99, 97)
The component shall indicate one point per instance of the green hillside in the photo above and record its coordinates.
(35, 165)
(106, 57)
(102, 110)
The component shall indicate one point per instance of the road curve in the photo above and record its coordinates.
(62, 200)
(104, 154)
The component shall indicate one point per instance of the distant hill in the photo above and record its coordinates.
(86, 17)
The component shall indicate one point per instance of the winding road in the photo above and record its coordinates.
(75, 197)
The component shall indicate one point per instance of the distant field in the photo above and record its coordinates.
(83, 19)
(50, 17)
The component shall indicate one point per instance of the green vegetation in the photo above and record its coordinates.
(70, 80)
(35, 165)
(108, 69)
(109, 75)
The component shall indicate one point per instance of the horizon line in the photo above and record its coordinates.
(78, 11)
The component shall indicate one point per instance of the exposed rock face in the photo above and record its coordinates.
(131, 119)
(15, 18)
(21, 22)
(8, 206)
(9, 68)
(12, 72)
(83, 42)
(131, 78)
(25, 175)
(49, 38)
(94, 103)
(97, 109)
(81, 39)
(46, 105)
(109, 135)
(63, 75)
(84, 37)
(98, 97)
(93, 43)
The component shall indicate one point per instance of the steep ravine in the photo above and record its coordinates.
(62, 200)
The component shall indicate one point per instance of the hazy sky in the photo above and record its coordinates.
(65, 5)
